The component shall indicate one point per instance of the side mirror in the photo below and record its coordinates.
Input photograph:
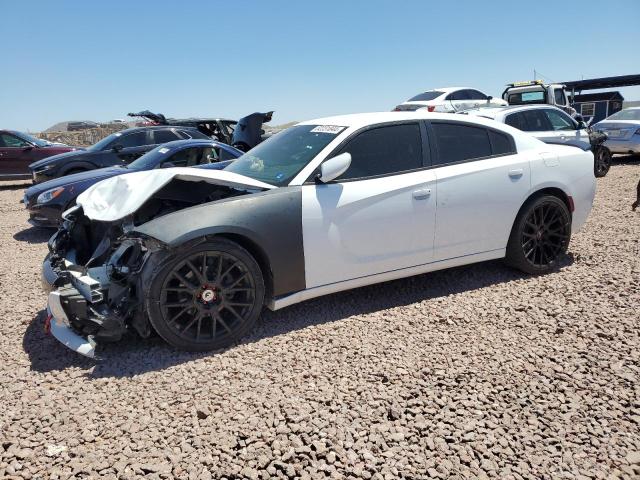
(117, 147)
(578, 118)
(28, 148)
(334, 167)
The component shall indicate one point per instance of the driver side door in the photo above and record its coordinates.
(378, 216)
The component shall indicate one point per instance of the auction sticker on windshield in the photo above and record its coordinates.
(327, 129)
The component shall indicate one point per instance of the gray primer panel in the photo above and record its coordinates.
(272, 220)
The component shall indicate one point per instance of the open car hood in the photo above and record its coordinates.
(115, 198)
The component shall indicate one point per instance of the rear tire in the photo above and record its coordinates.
(601, 161)
(540, 235)
(206, 297)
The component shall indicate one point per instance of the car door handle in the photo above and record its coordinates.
(516, 173)
(422, 194)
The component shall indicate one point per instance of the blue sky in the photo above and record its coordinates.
(77, 60)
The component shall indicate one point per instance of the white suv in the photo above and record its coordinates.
(449, 99)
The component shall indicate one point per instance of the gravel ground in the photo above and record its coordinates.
(476, 372)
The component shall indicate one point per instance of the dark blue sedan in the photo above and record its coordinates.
(46, 201)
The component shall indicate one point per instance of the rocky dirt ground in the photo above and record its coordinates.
(476, 372)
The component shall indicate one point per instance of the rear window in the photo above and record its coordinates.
(526, 97)
(426, 96)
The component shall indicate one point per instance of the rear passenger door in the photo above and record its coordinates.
(481, 183)
(379, 215)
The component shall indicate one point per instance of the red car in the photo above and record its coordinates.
(18, 150)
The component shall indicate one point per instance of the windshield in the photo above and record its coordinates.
(627, 114)
(36, 141)
(280, 158)
(522, 98)
(96, 147)
(426, 96)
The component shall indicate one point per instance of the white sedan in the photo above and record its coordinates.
(324, 206)
(449, 100)
(549, 124)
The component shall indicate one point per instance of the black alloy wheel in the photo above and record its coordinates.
(208, 297)
(540, 235)
(602, 161)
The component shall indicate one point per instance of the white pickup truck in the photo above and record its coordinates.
(537, 92)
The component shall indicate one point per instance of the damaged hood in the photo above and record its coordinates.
(115, 198)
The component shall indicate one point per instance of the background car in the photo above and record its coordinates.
(120, 148)
(551, 125)
(449, 99)
(324, 206)
(18, 150)
(84, 125)
(46, 201)
(220, 129)
(623, 131)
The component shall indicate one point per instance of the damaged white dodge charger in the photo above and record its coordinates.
(323, 206)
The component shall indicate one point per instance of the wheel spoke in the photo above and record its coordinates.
(237, 281)
(175, 317)
(183, 280)
(177, 304)
(196, 271)
(196, 318)
(226, 272)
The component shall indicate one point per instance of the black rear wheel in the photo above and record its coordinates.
(602, 161)
(207, 297)
(540, 235)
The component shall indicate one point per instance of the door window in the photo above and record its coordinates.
(459, 95)
(383, 151)
(189, 157)
(12, 141)
(457, 143)
(132, 140)
(164, 136)
(501, 143)
(559, 121)
(516, 120)
(476, 95)
(535, 121)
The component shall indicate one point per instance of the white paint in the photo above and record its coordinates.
(363, 227)
(478, 202)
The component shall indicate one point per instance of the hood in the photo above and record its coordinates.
(115, 198)
(69, 180)
(55, 158)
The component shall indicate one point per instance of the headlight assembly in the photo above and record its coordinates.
(49, 195)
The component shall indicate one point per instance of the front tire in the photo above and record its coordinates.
(540, 235)
(602, 161)
(207, 296)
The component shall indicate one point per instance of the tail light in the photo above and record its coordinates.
(431, 108)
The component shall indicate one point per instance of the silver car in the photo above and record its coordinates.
(623, 131)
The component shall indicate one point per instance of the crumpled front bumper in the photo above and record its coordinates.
(80, 288)
(62, 331)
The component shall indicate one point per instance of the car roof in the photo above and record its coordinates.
(358, 120)
(153, 127)
(495, 111)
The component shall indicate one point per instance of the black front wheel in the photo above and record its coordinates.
(540, 235)
(207, 297)
(601, 161)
